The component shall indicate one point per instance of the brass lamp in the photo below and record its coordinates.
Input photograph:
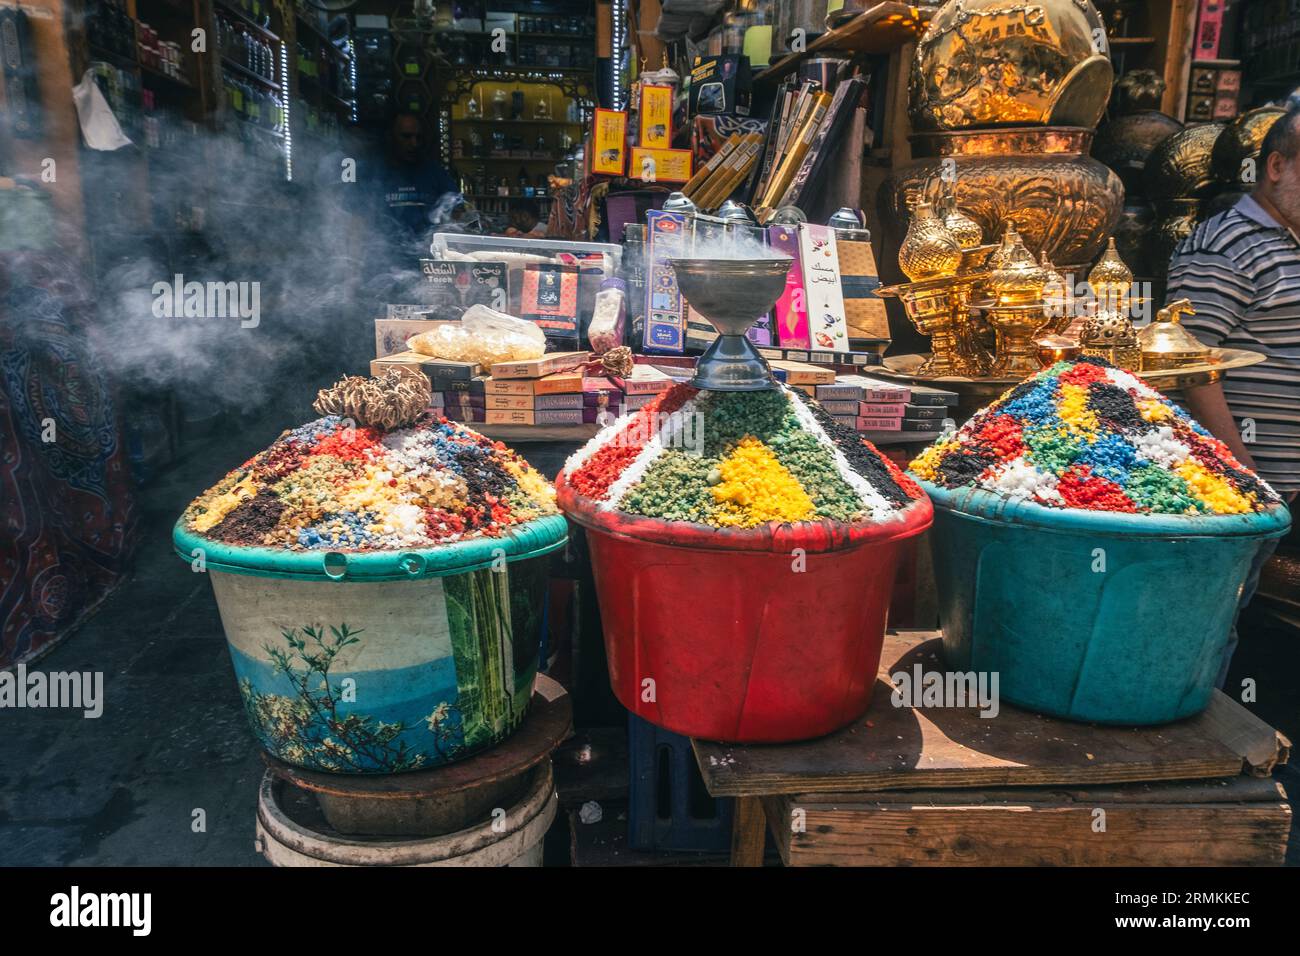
(1015, 309)
(1109, 332)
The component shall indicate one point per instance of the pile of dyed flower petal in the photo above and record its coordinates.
(329, 484)
(737, 460)
(1088, 435)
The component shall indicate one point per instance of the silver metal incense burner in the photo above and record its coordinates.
(732, 294)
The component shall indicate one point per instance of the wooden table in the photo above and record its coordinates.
(947, 787)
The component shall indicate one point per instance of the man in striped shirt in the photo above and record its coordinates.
(1241, 269)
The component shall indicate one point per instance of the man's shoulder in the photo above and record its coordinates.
(1226, 234)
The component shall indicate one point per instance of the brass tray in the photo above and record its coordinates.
(975, 393)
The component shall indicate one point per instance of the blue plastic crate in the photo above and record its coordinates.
(668, 806)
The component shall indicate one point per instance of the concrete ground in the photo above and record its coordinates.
(127, 788)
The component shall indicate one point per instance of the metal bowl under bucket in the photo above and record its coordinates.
(382, 662)
(1092, 616)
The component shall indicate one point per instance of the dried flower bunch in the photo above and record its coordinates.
(395, 399)
(1086, 434)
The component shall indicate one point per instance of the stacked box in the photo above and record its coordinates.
(882, 409)
(548, 391)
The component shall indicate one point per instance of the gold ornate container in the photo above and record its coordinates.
(990, 62)
(1241, 140)
(1015, 309)
(928, 304)
(1056, 298)
(1110, 278)
(1109, 332)
(1057, 348)
(1166, 344)
(1126, 143)
(929, 249)
(1063, 201)
(1016, 279)
(1175, 220)
(1110, 335)
(965, 230)
(1180, 167)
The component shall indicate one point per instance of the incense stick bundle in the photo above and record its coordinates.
(797, 149)
(748, 147)
(731, 175)
(773, 130)
(718, 158)
(797, 103)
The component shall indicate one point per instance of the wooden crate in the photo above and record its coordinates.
(934, 786)
(1238, 821)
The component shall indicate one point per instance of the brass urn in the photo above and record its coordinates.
(1240, 141)
(992, 62)
(1040, 178)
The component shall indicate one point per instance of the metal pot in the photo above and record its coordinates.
(1126, 143)
(1062, 201)
(1133, 235)
(1179, 168)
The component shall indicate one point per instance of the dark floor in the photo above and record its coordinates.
(125, 789)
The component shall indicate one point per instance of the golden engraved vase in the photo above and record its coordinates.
(1061, 200)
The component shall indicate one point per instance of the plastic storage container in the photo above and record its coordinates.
(1089, 615)
(380, 662)
(759, 635)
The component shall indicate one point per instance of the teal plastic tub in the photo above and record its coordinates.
(381, 662)
(1092, 616)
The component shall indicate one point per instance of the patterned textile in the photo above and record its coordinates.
(67, 514)
(564, 220)
(575, 213)
(709, 133)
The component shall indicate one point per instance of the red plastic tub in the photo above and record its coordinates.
(749, 636)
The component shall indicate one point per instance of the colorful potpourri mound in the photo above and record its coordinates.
(738, 460)
(1086, 434)
(329, 484)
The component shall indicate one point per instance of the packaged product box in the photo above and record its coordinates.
(823, 294)
(452, 286)
(441, 373)
(720, 85)
(391, 335)
(665, 312)
(550, 299)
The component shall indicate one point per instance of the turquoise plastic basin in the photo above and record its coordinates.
(1091, 616)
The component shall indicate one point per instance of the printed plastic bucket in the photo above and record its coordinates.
(758, 635)
(382, 662)
(1092, 616)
